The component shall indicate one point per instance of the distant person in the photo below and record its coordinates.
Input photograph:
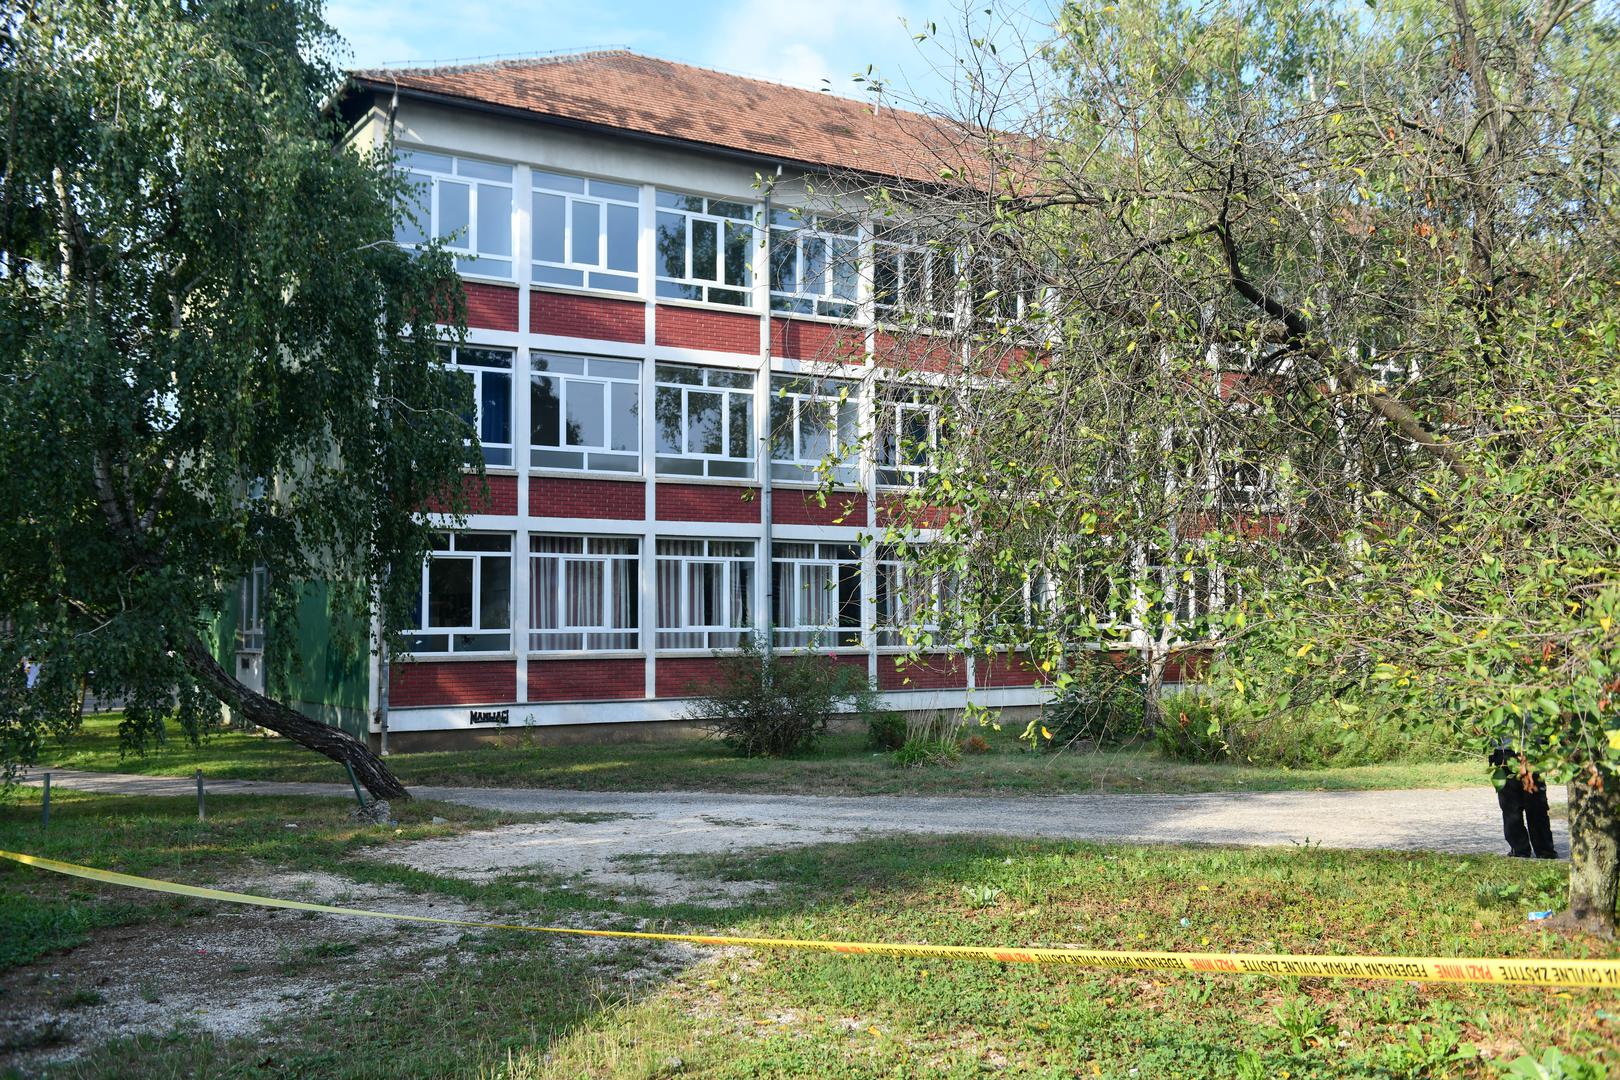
(1523, 799)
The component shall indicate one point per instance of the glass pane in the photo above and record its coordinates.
(849, 596)
(586, 412)
(815, 430)
(495, 409)
(548, 228)
(483, 542)
(784, 261)
(623, 238)
(886, 276)
(483, 170)
(680, 466)
(845, 268)
(415, 209)
(675, 373)
(707, 592)
(616, 282)
(625, 418)
(667, 420)
(450, 592)
(671, 244)
(675, 291)
(781, 427)
(704, 433)
(914, 436)
(727, 296)
(816, 595)
(495, 594)
(567, 365)
(584, 586)
(558, 182)
(421, 159)
(848, 420)
(741, 444)
(545, 407)
(705, 250)
(494, 220)
(743, 380)
(623, 192)
(615, 369)
(478, 356)
(722, 208)
(675, 201)
(739, 254)
(815, 265)
(557, 275)
(587, 240)
(455, 204)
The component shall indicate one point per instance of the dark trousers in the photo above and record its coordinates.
(1524, 819)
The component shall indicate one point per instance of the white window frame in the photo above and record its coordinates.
(678, 287)
(714, 636)
(450, 552)
(796, 227)
(504, 454)
(592, 458)
(801, 393)
(893, 405)
(746, 454)
(907, 251)
(801, 634)
(600, 629)
(252, 591)
(599, 193)
(887, 631)
(471, 258)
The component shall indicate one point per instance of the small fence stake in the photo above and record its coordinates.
(202, 809)
(45, 805)
(358, 796)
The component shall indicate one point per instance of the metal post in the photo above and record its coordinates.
(45, 806)
(202, 809)
(358, 796)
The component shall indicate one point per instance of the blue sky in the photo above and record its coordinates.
(801, 45)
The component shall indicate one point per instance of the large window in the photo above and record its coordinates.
(586, 232)
(814, 427)
(465, 203)
(489, 371)
(705, 248)
(814, 264)
(815, 595)
(912, 278)
(907, 434)
(584, 593)
(465, 605)
(705, 593)
(705, 421)
(584, 413)
(250, 620)
(911, 605)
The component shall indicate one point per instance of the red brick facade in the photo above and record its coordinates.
(892, 510)
(707, 502)
(564, 497)
(938, 672)
(919, 353)
(798, 506)
(491, 307)
(587, 680)
(681, 676)
(587, 317)
(1006, 669)
(801, 339)
(689, 328)
(451, 682)
(499, 498)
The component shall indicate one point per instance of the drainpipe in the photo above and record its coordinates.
(769, 584)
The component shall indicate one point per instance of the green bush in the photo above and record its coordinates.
(1206, 727)
(1102, 711)
(917, 753)
(886, 730)
(768, 704)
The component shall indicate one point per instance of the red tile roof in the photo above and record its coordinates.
(628, 92)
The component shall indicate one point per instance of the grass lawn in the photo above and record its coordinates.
(842, 765)
(521, 1006)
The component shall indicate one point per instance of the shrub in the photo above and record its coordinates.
(919, 752)
(975, 744)
(1317, 734)
(1100, 711)
(886, 730)
(768, 704)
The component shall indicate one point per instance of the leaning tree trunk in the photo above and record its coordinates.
(1594, 853)
(335, 743)
(1154, 660)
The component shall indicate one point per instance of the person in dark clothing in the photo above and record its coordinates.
(1523, 799)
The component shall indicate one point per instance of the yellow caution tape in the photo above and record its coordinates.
(1604, 974)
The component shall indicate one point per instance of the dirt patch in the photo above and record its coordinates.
(226, 971)
(626, 858)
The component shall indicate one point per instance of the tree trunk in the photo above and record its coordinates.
(1594, 853)
(335, 743)
(1154, 658)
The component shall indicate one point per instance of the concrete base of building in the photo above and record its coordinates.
(655, 731)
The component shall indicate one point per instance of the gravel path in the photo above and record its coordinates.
(1463, 820)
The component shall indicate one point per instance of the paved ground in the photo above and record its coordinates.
(1461, 820)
